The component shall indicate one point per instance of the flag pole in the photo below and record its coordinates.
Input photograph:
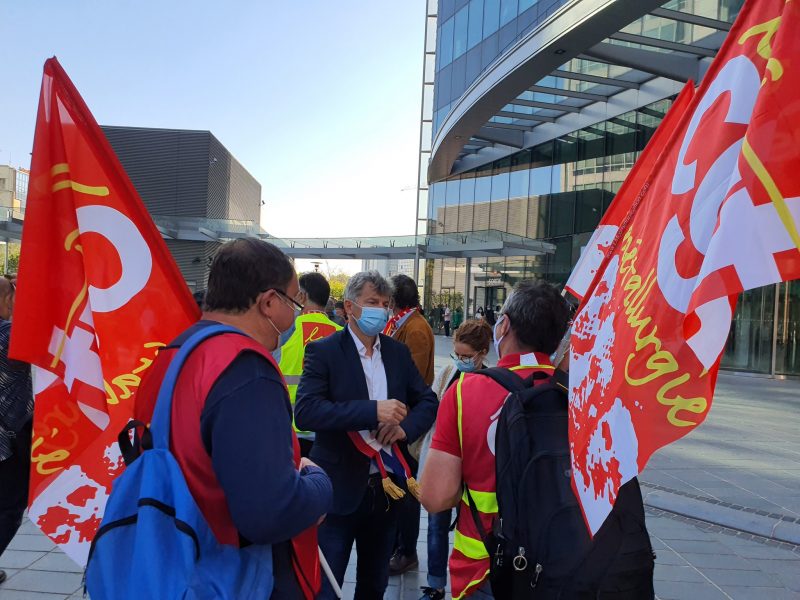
(329, 574)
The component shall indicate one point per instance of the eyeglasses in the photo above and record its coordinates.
(464, 357)
(292, 302)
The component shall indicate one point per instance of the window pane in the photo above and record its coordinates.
(500, 180)
(446, 44)
(460, 33)
(541, 180)
(491, 17)
(520, 175)
(475, 34)
(508, 11)
(562, 214)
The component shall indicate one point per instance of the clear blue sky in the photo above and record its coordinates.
(319, 100)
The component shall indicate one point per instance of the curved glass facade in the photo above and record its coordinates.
(555, 192)
(471, 34)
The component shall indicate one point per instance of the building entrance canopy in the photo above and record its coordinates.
(471, 244)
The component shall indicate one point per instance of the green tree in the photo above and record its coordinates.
(13, 258)
(338, 280)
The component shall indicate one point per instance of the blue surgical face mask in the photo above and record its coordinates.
(289, 332)
(373, 319)
(465, 366)
(497, 342)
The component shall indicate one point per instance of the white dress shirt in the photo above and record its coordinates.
(375, 374)
(374, 371)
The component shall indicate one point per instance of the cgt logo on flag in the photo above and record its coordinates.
(98, 295)
(717, 215)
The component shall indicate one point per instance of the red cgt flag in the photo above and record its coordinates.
(98, 295)
(719, 214)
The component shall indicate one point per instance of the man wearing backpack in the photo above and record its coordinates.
(527, 519)
(231, 430)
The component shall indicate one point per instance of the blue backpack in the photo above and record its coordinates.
(153, 541)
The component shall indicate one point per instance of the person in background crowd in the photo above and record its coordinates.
(448, 316)
(490, 316)
(330, 306)
(310, 325)
(528, 331)
(458, 317)
(234, 440)
(410, 328)
(479, 313)
(16, 423)
(360, 391)
(339, 316)
(470, 348)
(199, 296)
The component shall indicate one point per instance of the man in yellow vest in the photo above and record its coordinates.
(311, 324)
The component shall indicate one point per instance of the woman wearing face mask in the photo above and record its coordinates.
(470, 348)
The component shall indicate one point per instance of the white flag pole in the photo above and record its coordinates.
(329, 574)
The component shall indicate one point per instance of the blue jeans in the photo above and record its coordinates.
(438, 548)
(373, 528)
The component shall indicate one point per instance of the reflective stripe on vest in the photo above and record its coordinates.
(469, 547)
(486, 503)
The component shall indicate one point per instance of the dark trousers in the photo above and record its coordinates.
(305, 447)
(447, 328)
(372, 527)
(14, 477)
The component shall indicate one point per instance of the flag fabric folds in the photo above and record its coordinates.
(98, 295)
(717, 213)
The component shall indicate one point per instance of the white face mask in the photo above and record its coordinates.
(494, 335)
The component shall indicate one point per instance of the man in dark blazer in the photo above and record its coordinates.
(358, 379)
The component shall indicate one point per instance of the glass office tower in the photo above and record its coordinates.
(538, 112)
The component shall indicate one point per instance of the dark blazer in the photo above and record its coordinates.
(332, 399)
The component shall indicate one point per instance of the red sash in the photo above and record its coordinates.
(392, 326)
(366, 443)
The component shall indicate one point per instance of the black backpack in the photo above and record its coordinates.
(539, 547)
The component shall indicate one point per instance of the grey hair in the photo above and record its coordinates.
(355, 285)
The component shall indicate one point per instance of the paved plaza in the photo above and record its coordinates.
(739, 470)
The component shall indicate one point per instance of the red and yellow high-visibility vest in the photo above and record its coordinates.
(479, 402)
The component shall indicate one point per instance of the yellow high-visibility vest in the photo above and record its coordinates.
(307, 328)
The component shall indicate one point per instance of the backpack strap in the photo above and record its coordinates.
(505, 377)
(131, 446)
(476, 517)
(160, 425)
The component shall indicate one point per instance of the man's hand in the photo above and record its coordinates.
(389, 434)
(391, 412)
(306, 462)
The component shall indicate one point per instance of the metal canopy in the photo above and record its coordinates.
(485, 243)
(443, 245)
(615, 55)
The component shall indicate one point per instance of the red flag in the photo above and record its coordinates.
(718, 215)
(600, 244)
(98, 294)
